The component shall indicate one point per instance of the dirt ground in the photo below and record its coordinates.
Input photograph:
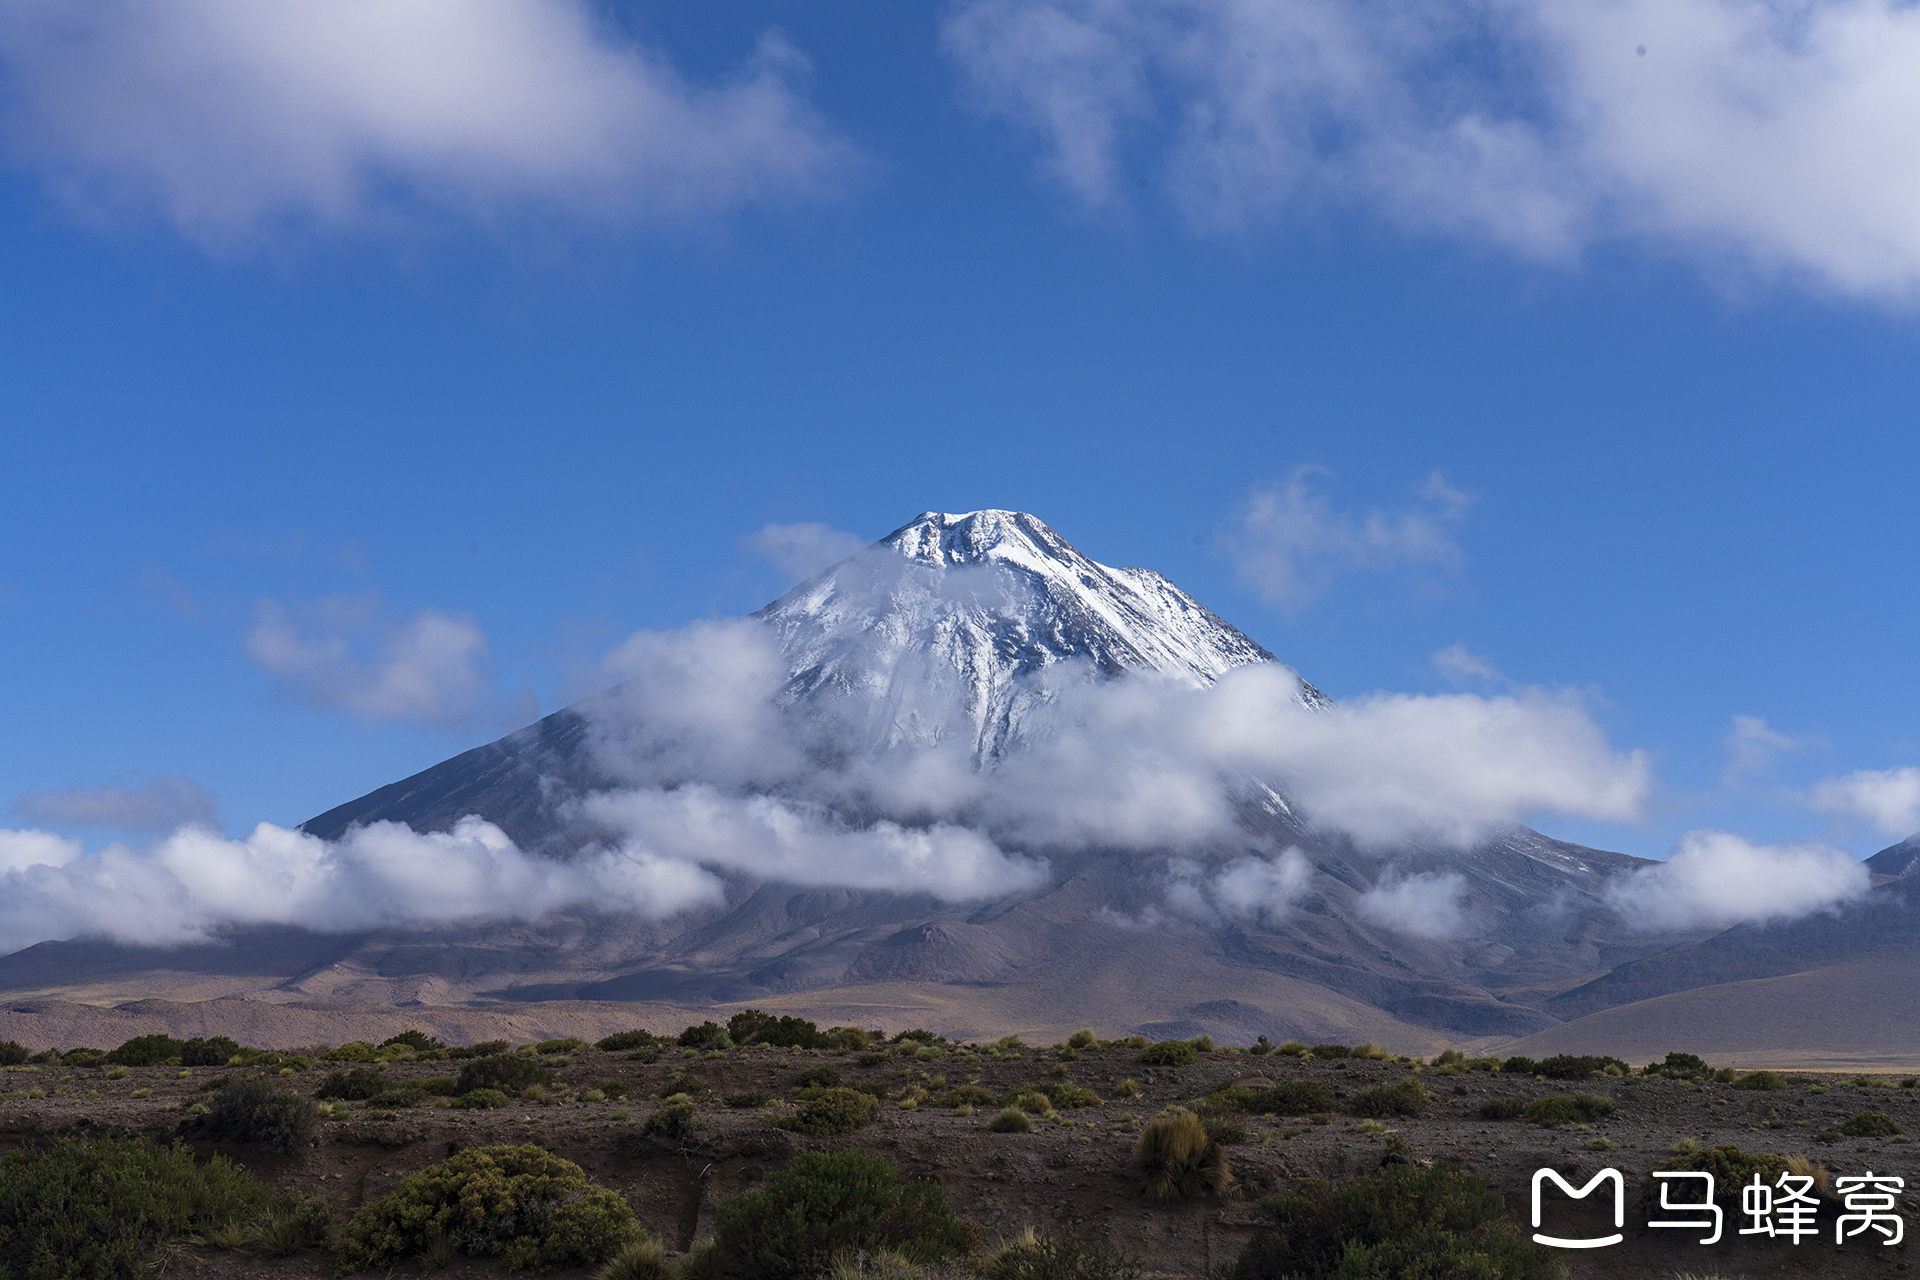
(1072, 1173)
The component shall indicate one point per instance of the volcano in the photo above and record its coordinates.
(956, 641)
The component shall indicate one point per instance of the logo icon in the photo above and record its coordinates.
(1619, 1207)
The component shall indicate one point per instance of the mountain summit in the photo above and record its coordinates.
(944, 624)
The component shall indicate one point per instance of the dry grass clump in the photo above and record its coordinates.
(1178, 1160)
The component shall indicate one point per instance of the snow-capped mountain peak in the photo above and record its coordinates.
(938, 628)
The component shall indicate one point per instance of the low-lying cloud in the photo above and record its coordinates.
(1716, 878)
(161, 803)
(431, 670)
(1888, 800)
(237, 120)
(1735, 131)
(1429, 904)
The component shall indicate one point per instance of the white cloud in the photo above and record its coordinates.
(161, 803)
(1257, 887)
(1290, 543)
(1715, 878)
(234, 118)
(1134, 763)
(802, 550)
(1753, 745)
(22, 849)
(1886, 799)
(1460, 666)
(430, 670)
(776, 840)
(1787, 137)
(1429, 904)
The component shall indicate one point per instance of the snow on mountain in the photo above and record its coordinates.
(955, 624)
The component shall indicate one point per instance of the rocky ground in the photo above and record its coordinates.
(1074, 1172)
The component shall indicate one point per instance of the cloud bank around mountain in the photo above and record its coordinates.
(1738, 132)
(237, 121)
(1717, 878)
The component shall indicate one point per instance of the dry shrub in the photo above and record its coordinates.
(1178, 1160)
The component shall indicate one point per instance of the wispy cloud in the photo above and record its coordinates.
(1737, 131)
(1461, 667)
(1753, 746)
(1888, 800)
(161, 803)
(1290, 543)
(342, 652)
(802, 550)
(1429, 904)
(1716, 878)
(237, 120)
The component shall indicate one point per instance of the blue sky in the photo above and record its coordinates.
(1451, 342)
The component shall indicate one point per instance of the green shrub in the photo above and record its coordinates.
(1178, 1160)
(968, 1095)
(1566, 1066)
(415, 1039)
(751, 1026)
(1761, 1080)
(1010, 1120)
(1502, 1108)
(1871, 1124)
(1225, 1132)
(1519, 1066)
(621, 1041)
(208, 1053)
(1569, 1108)
(708, 1035)
(683, 1082)
(1406, 1098)
(873, 1059)
(567, 1044)
(1294, 1098)
(1058, 1093)
(1168, 1053)
(1082, 1039)
(1402, 1221)
(146, 1051)
(395, 1096)
(96, 1208)
(12, 1053)
(748, 1098)
(828, 1203)
(356, 1085)
(260, 1111)
(613, 1088)
(481, 1049)
(817, 1078)
(1680, 1066)
(521, 1203)
(508, 1072)
(673, 1124)
(1037, 1257)
(1332, 1051)
(835, 1111)
(351, 1051)
(481, 1100)
(438, 1086)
